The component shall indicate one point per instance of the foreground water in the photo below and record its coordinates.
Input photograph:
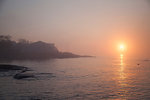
(80, 79)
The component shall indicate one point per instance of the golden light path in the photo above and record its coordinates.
(122, 67)
(123, 77)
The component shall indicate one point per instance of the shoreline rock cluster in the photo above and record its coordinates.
(20, 75)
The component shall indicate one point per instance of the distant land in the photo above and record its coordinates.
(23, 49)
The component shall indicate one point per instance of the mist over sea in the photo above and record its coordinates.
(92, 78)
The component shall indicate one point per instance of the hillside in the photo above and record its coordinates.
(30, 50)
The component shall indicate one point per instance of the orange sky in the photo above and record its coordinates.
(93, 27)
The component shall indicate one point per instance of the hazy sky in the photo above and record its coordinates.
(93, 27)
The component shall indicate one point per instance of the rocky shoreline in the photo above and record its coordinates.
(21, 71)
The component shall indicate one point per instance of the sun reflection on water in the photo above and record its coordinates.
(122, 76)
(122, 79)
(121, 59)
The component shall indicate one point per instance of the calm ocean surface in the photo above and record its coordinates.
(79, 79)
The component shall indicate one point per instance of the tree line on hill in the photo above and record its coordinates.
(24, 49)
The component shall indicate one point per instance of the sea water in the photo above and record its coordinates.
(93, 78)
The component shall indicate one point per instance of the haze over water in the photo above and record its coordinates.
(90, 27)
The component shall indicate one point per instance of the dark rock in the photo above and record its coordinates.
(5, 67)
(23, 76)
(22, 72)
(146, 60)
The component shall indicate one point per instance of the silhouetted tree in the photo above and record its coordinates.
(5, 38)
(23, 41)
(5, 46)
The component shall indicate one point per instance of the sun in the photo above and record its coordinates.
(122, 47)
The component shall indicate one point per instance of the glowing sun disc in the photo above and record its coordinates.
(122, 47)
